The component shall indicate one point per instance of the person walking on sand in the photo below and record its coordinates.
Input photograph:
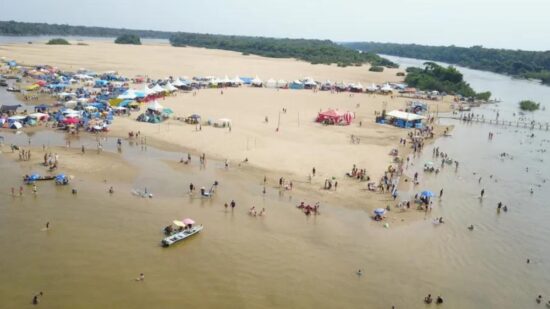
(20, 190)
(233, 204)
(440, 193)
(34, 189)
(83, 149)
(12, 191)
(313, 171)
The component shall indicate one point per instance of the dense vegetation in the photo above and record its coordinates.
(375, 68)
(528, 105)
(15, 28)
(128, 39)
(313, 51)
(528, 64)
(448, 80)
(58, 41)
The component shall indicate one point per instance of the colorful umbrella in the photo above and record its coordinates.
(188, 221)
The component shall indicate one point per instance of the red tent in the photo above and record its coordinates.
(335, 117)
(70, 120)
(41, 83)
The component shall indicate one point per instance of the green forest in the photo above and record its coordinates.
(313, 51)
(448, 80)
(518, 63)
(14, 28)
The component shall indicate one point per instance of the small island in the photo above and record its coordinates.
(58, 41)
(448, 80)
(528, 105)
(128, 39)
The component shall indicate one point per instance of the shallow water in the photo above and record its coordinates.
(99, 243)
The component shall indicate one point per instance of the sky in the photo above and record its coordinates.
(513, 24)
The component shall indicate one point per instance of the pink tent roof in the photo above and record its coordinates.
(330, 113)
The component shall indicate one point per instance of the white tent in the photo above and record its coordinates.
(17, 118)
(271, 83)
(223, 122)
(155, 106)
(405, 116)
(178, 83)
(158, 89)
(70, 104)
(38, 115)
(372, 88)
(386, 88)
(256, 81)
(148, 91)
(281, 83)
(170, 88)
(309, 82)
(237, 81)
(129, 94)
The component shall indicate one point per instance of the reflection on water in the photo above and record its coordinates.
(99, 243)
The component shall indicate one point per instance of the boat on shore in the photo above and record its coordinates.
(13, 89)
(30, 179)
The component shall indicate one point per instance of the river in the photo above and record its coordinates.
(99, 243)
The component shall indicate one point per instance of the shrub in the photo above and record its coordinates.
(528, 105)
(128, 39)
(58, 41)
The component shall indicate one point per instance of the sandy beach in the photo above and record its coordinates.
(298, 145)
(163, 60)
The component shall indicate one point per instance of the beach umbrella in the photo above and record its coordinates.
(188, 221)
(426, 194)
(178, 223)
(379, 211)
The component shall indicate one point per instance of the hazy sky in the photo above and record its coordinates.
(516, 24)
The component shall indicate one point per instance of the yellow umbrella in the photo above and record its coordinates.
(178, 223)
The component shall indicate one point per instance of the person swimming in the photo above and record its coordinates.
(359, 273)
(439, 300)
(428, 299)
(539, 299)
(471, 227)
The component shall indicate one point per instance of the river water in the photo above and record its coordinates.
(99, 243)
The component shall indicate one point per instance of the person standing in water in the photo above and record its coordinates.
(482, 193)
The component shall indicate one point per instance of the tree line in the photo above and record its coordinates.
(313, 51)
(519, 63)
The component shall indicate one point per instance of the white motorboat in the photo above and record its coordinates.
(178, 236)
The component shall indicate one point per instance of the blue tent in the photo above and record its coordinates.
(57, 86)
(41, 107)
(246, 80)
(12, 63)
(296, 85)
(101, 83)
(125, 103)
(426, 194)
